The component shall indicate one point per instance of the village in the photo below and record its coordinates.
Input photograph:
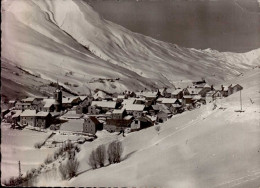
(125, 112)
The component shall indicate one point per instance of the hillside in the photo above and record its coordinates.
(69, 42)
(199, 148)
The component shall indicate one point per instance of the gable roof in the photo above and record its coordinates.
(42, 114)
(17, 113)
(93, 119)
(134, 107)
(118, 111)
(169, 100)
(176, 92)
(26, 113)
(49, 102)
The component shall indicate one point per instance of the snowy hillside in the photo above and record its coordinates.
(199, 148)
(68, 41)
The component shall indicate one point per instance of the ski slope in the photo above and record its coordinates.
(53, 38)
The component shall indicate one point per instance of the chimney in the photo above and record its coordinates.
(222, 88)
(211, 87)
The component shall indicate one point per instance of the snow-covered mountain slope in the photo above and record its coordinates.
(69, 41)
(201, 148)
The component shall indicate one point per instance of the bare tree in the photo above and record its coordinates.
(69, 169)
(92, 160)
(72, 166)
(101, 155)
(114, 151)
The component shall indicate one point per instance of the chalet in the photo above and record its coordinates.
(117, 125)
(92, 125)
(141, 123)
(134, 109)
(191, 91)
(169, 101)
(217, 94)
(27, 117)
(118, 113)
(48, 105)
(43, 119)
(205, 89)
(69, 102)
(177, 94)
(187, 99)
(16, 117)
(80, 109)
(226, 90)
(167, 92)
(198, 99)
(12, 103)
(236, 88)
(162, 115)
(175, 108)
(209, 96)
(148, 95)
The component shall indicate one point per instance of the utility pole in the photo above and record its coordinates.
(20, 172)
(240, 101)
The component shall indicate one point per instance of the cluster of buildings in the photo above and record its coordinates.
(113, 112)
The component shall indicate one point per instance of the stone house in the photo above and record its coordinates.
(43, 119)
(117, 125)
(92, 125)
(27, 117)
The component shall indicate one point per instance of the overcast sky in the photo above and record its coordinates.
(224, 25)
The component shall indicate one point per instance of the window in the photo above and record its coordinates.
(136, 121)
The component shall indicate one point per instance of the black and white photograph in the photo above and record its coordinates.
(130, 93)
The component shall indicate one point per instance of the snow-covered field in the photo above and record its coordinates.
(18, 145)
(199, 148)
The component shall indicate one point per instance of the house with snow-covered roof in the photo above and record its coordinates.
(43, 119)
(92, 125)
(69, 102)
(27, 117)
(134, 109)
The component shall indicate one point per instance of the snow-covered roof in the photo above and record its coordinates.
(196, 97)
(168, 101)
(159, 107)
(120, 96)
(42, 114)
(176, 105)
(128, 101)
(29, 99)
(49, 102)
(170, 90)
(11, 101)
(104, 104)
(100, 94)
(128, 117)
(83, 97)
(118, 111)
(187, 96)
(28, 113)
(71, 114)
(177, 91)
(160, 99)
(134, 107)
(17, 113)
(147, 93)
(153, 118)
